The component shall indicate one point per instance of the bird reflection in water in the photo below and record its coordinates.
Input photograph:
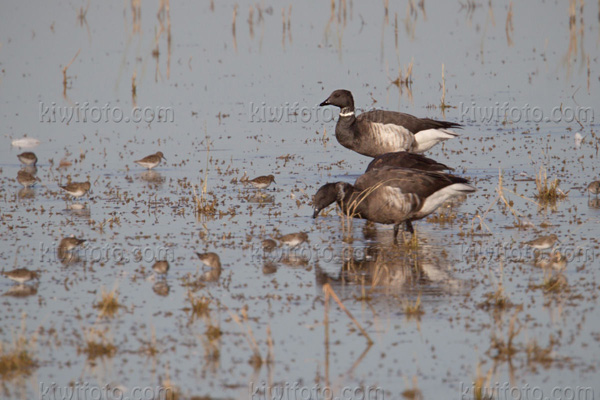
(391, 269)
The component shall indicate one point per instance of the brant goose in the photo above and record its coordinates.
(404, 159)
(378, 132)
(392, 195)
(152, 160)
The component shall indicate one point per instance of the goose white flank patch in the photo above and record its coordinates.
(392, 195)
(377, 132)
(25, 142)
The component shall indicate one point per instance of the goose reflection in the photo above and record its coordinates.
(391, 269)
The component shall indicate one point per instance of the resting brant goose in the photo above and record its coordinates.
(378, 132)
(392, 195)
(404, 159)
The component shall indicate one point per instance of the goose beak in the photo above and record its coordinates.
(316, 213)
(325, 103)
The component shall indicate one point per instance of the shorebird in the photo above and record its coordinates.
(77, 189)
(27, 158)
(594, 188)
(542, 242)
(392, 195)
(377, 132)
(262, 182)
(293, 239)
(269, 245)
(21, 275)
(152, 160)
(213, 261)
(26, 179)
(161, 267)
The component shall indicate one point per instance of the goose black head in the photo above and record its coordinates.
(326, 195)
(340, 98)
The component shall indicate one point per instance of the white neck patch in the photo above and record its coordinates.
(349, 113)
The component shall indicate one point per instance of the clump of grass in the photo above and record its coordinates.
(481, 383)
(199, 306)
(109, 303)
(170, 391)
(412, 243)
(204, 205)
(97, 345)
(213, 332)
(538, 354)
(497, 300)
(548, 192)
(414, 309)
(553, 284)
(150, 347)
(406, 78)
(413, 393)
(16, 358)
(505, 349)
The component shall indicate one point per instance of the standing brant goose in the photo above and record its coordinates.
(404, 159)
(392, 195)
(378, 132)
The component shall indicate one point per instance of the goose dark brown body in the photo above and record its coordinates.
(392, 195)
(404, 159)
(378, 132)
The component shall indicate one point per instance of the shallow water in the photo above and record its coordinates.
(234, 100)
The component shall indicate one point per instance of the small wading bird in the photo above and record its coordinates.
(293, 239)
(26, 179)
(152, 160)
(594, 188)
(77, 189)
(212, 261)
(28, 158)
(262, 182)
(161, 267)
(21, 275)
(392, 195)
(377, 132)
(543, 242)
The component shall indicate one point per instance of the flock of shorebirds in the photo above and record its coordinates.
(399, 186)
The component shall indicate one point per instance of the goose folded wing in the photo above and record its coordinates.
(409, 122)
